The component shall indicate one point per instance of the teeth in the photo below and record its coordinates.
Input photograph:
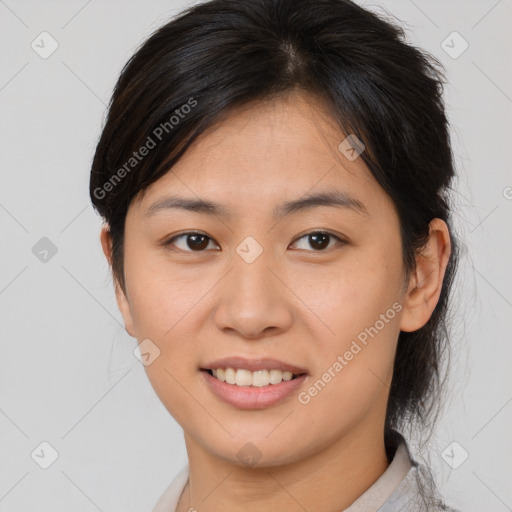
(243, 378)
(258, 378)
(230, 375)
(261, 378)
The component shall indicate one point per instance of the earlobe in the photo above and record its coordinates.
(426, 281)
(121, 298)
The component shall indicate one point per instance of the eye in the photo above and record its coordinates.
(197, 242)
(190, 242)
(319, 240)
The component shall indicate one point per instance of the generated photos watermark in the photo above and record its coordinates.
(355, 348)
(157, 135)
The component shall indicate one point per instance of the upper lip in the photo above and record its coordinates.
(253, 365)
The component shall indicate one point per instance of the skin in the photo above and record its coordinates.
(294, 303)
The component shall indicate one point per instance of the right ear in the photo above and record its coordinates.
(121, 298)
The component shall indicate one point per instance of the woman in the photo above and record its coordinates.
(273, 178)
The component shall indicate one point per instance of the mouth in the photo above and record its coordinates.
(252, 384)
(258, 378)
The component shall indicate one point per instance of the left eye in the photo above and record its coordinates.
(319, 240)
(197, 242)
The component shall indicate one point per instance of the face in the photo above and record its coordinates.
(270, 278)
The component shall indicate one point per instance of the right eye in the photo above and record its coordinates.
(190, 242)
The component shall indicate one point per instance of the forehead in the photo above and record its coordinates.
(266, 152)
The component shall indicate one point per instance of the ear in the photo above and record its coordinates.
(121, 298)
(426, 281)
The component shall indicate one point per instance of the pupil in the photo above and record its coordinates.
(319, 240)
(198, 241)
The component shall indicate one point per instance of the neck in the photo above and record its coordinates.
(329, 480)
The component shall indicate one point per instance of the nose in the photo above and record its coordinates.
(252, 300)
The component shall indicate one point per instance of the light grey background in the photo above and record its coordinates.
(67, 372)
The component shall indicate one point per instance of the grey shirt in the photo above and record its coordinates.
(396, 490)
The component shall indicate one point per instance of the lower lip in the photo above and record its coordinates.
(252, 397)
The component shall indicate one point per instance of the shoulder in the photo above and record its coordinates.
(169, 499)
(417, 491)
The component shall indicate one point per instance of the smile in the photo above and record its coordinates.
(258, 378)
(252, 383)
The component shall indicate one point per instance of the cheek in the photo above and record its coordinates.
(160, 295)
(352, 295)
(164, 307)
(359, 306)
(352, 374)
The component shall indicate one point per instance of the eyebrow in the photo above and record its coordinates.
(335, 198)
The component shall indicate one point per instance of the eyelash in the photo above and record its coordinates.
(305, 235)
